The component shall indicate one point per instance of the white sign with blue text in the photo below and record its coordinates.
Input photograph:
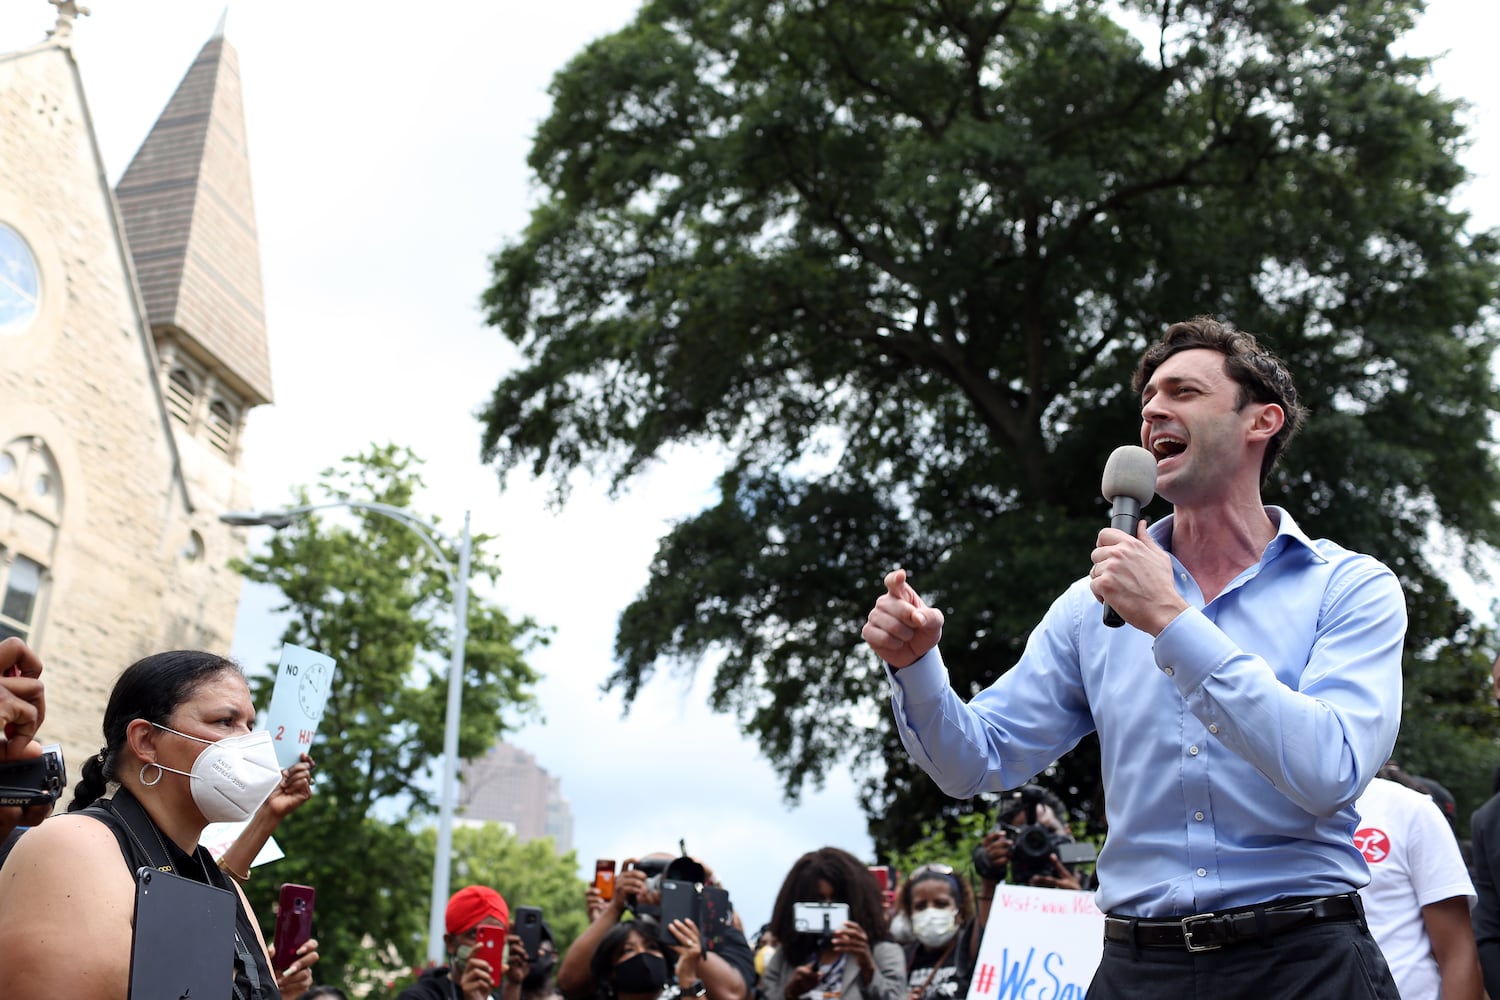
(1039, 944)
(303, 681)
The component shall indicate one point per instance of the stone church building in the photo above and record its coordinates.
(133, 335)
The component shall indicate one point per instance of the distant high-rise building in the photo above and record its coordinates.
(507, 786)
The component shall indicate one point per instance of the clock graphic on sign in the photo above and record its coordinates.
(312, 690)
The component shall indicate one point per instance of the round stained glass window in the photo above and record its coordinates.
(20, 282)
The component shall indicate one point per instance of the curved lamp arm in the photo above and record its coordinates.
(284, 516)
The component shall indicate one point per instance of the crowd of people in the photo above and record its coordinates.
(1243, 679)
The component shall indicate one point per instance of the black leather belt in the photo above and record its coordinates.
(1208, 931)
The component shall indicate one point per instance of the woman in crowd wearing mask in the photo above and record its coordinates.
(178, 740)
(852, 961)
(939, 908)
(629, 963)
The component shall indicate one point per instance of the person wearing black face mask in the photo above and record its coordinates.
(629, 963)
(720, 969)
(537, 983)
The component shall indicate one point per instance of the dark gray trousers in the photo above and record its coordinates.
(1336, 960)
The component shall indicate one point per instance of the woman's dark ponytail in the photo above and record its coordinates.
(93, 780)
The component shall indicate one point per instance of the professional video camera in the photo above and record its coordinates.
(659, 870)
(35, 782)
(683, 893)
(1032, 844)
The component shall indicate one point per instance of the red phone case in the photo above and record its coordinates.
(293, 922)
(489, 944)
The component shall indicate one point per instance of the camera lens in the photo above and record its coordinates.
(1034, 842)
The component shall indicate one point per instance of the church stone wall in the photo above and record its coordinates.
(126, 577)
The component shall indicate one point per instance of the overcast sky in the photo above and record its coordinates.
(388, 146)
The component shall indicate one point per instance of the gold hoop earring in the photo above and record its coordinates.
(153, 781)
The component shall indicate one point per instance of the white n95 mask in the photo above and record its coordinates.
(232, 776)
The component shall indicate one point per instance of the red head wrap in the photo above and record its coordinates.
(472, 904)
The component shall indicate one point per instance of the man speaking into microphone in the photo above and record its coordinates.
(1252, 691)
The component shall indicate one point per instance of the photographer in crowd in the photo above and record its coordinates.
(714, 967)
(1031, 838)
(852, 958)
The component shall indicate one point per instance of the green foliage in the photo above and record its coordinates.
(951, 844)
(374, 598)
(529, 874)
(896, 261)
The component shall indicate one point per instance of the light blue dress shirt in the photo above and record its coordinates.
(1233, 747)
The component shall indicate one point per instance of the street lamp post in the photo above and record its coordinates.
(441, 863)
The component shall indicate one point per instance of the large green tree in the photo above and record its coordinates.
(364, 589)
(897, 260)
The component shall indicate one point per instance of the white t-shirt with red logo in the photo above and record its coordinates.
(1414, 861)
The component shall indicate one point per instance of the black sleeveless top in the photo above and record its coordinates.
(144, 846)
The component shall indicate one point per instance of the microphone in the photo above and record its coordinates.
(1129, 484)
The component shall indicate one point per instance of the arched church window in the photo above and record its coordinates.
(31, 499)
(20, 282)
(21, 583)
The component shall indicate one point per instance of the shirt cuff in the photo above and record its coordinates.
(925, 680)
(1190, 648)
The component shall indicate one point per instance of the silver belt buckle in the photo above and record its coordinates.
(1187, 933)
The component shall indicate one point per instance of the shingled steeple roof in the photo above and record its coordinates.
(190, 223)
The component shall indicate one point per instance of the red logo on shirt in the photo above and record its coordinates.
(1373, 844)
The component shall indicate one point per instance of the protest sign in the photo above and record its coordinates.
(303, 680)
(1039, 944)
(218, 837)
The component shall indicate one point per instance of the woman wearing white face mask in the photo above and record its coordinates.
(177, 741)
(940, 909)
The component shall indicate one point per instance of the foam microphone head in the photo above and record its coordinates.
(1130, 472)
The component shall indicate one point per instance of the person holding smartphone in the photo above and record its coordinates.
(722, 968)
(472, 912)
(853, 960)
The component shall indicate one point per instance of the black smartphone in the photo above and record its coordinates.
(679, 901)
(527, 924)
(718, 915)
